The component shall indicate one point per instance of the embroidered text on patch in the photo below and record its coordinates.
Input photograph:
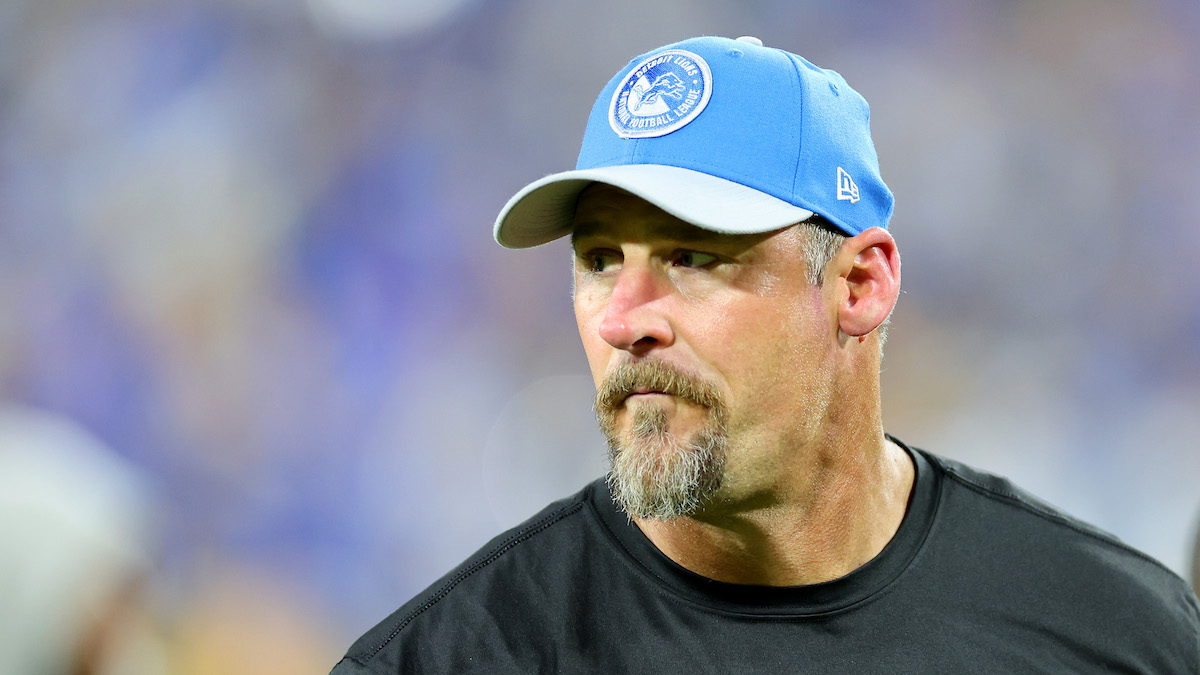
(661, 94)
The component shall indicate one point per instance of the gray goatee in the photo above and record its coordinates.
(654, 473)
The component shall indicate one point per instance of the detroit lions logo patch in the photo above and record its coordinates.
(661, 94)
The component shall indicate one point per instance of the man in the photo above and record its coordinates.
(733, 277)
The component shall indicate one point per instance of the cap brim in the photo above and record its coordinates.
(543, 210)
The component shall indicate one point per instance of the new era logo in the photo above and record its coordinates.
(847, 190)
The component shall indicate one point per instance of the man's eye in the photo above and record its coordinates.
(602, 261)
(694, 259)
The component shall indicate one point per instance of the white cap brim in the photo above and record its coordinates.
(544, 209)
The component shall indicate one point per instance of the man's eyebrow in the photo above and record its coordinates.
(581, 230)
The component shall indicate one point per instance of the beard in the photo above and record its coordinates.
(653, 472)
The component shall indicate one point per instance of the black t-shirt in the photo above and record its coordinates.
(980, 577)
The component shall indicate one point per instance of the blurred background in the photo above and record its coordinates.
(265, 375)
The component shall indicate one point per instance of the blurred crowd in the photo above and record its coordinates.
(261, 356)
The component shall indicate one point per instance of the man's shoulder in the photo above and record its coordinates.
(1015, 510)
(524, 565)
(999, 495)
(1002, 537)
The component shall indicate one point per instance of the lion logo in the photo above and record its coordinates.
(667, 84)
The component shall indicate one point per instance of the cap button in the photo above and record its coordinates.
(751, 39)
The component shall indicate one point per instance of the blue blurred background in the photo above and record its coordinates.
(245, 246)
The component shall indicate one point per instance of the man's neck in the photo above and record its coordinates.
(848, 512)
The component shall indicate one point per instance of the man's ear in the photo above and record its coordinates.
(867, 279)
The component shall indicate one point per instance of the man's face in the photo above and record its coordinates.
(710, 353)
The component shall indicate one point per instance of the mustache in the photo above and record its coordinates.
(627, 378)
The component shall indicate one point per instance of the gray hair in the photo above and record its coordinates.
(822, 241)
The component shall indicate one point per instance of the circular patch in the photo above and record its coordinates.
(661, 94)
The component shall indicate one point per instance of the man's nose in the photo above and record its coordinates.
(634, 320)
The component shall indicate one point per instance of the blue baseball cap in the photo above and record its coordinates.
(727, 135)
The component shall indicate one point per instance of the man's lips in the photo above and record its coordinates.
(640, 392)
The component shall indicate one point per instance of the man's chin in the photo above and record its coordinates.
(663, 477)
